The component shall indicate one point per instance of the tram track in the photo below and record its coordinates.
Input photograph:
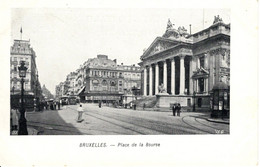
(113, 123)
(194, 127)
(164, 128)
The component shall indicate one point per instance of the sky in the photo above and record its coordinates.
(64, 38)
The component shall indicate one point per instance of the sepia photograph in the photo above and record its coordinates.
(120, 72)
(129, 83)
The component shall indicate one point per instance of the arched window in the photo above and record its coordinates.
(95, 82)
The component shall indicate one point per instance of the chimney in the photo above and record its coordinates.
(114, 60)
(122, 64)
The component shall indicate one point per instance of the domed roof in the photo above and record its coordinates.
(220, 85)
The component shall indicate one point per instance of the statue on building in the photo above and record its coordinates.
(169, 25)
(183, 31)
(161, 88)
(217, 19)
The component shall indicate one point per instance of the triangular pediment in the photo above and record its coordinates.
(159, 44)
(201, 72)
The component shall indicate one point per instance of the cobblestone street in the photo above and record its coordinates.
(115, 121)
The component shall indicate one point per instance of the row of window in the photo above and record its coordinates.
(115, 74)
(19, 58)
(17, 86)
(223, 61)
(113, 83)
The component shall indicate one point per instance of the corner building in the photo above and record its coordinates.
(22, 51)
(107, 81)
(187, 65)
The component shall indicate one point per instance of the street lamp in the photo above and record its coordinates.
(194, 104)
(22, 121)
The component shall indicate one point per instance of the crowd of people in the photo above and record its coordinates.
(49, 105)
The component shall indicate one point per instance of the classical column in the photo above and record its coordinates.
(145, 79)
(173, 76)
(197, 86)
(156, 78)
(206, 85)
(182, 75)
(151, 80)
(191, 73)
(165, 75)
(198, 62)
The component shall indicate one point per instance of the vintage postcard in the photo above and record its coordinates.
(119, 83)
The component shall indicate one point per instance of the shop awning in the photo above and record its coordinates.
(81, 90)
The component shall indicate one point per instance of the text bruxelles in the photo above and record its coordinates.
(92, 145)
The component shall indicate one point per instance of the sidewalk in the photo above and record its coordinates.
(31, 131)
(206, 115)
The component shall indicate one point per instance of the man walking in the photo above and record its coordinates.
(174, 109)
(179, 109)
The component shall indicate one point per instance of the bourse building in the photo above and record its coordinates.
(187, 65)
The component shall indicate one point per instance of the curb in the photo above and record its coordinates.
(216, 121)
(212, 120)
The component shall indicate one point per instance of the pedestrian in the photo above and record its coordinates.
(58, 105)
(54, 105)
(179, 109)
(99, 104)
(131, 105)
(51, 105)
(46, 105)
(61, 102)
(80, 112)
(144, 105)
(14, 119)
(134, 106)
(174, 109)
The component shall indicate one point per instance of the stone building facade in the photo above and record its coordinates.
(22, 51)
(107, 81)
(185, 64)
(103, 79)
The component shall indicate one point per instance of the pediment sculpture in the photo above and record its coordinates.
(217, 19)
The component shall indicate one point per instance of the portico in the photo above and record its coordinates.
(186, 64)
(174, 73)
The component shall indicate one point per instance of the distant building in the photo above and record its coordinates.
(183, 64)
(107, 81)
(46, 93)
(102, 79)
(22, 51)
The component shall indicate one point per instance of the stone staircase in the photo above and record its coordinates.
(149, 102)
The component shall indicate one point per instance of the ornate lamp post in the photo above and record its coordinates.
(22, 121)
(194, 99)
